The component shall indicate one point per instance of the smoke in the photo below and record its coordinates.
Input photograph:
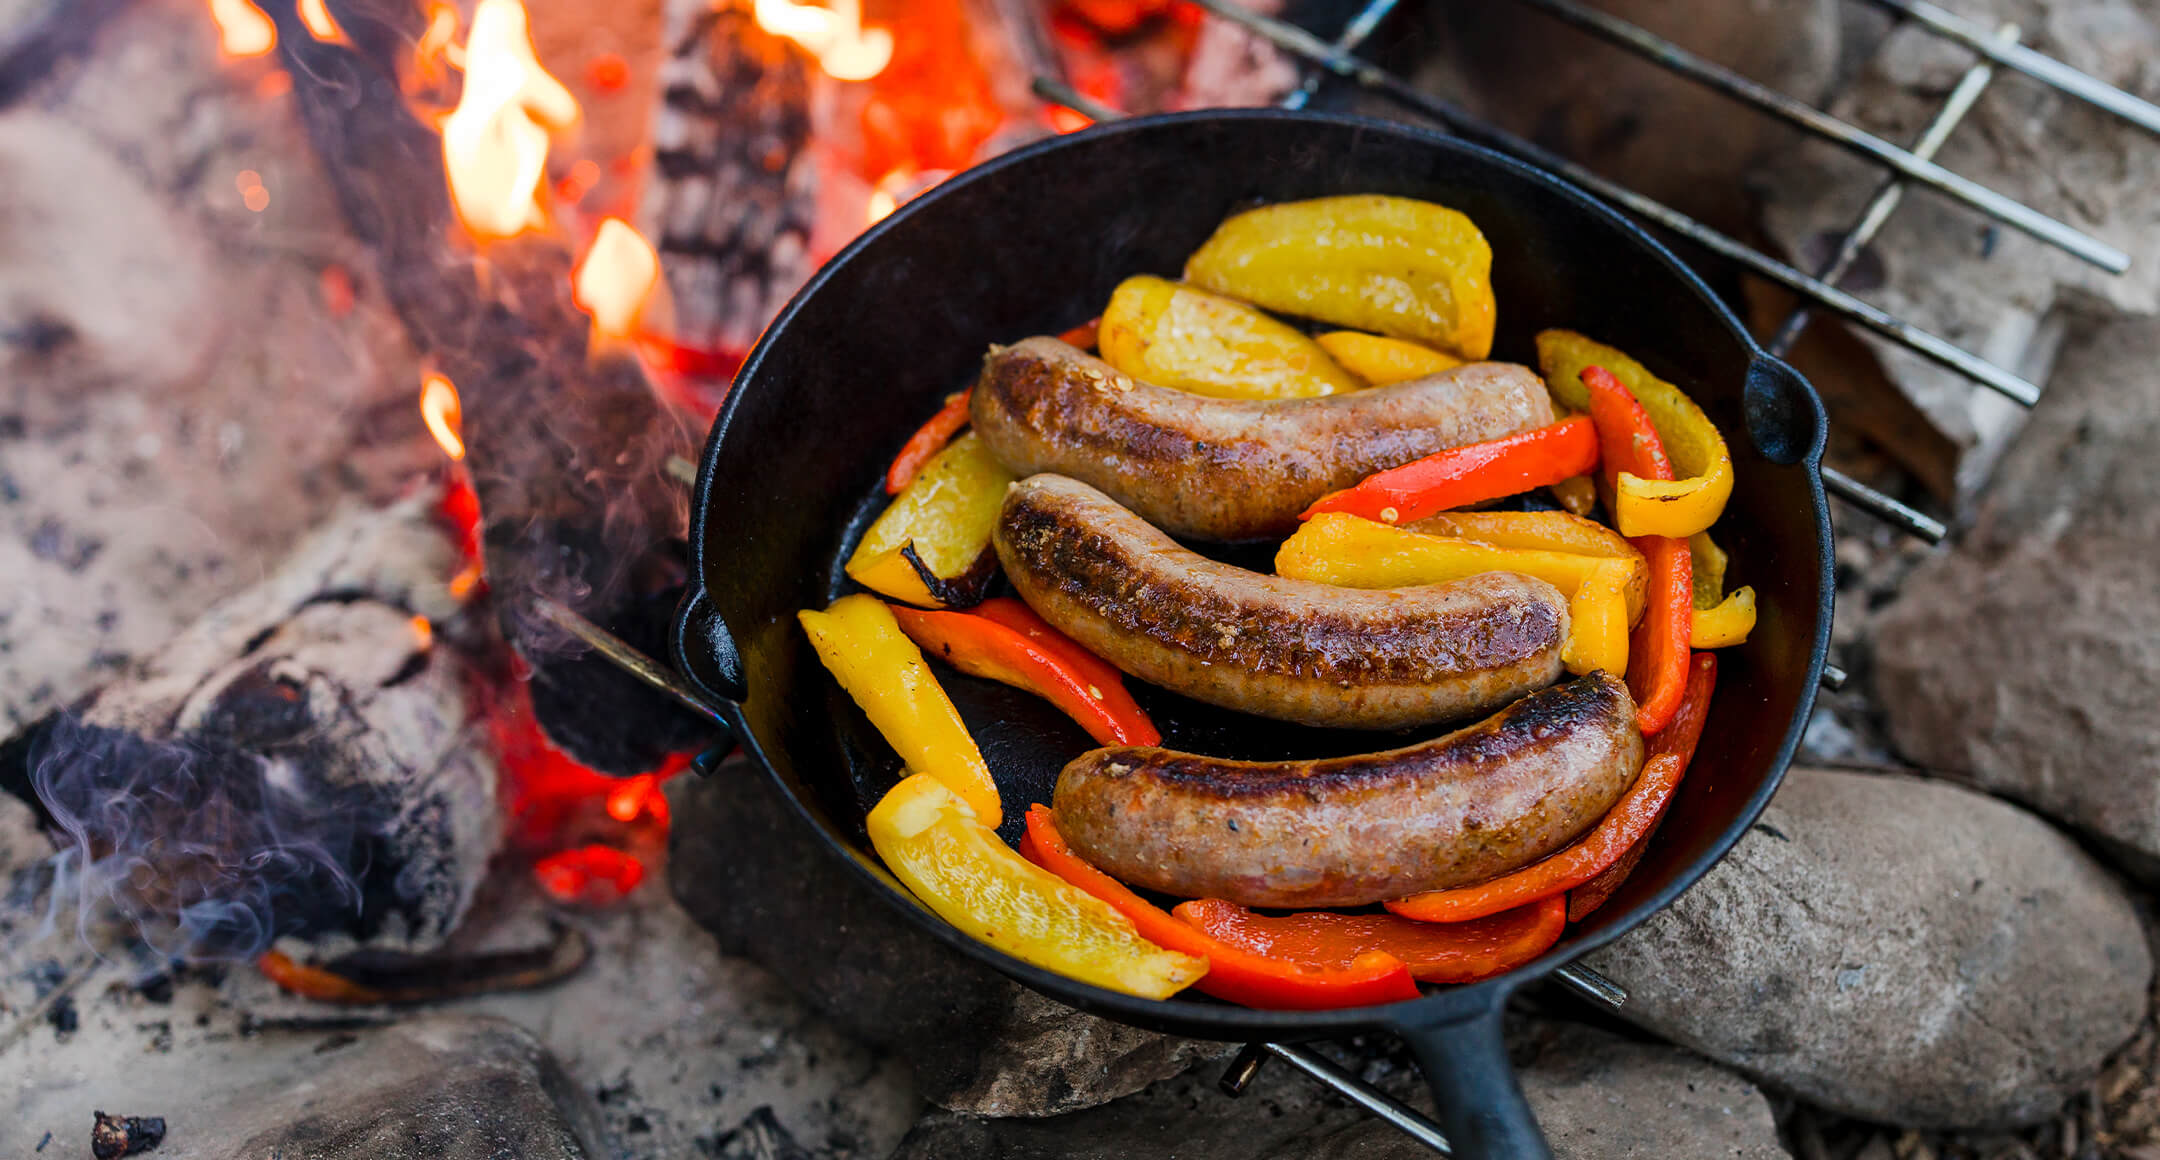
(211, 852)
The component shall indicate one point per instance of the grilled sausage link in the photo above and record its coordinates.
(1292, 650)
(1223, 469)
(1347, 831)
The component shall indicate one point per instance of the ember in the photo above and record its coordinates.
(112, 1137)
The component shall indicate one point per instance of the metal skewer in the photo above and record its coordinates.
(624, 656)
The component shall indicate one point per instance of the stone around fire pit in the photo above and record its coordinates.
(1897, 950)
(2054, 704)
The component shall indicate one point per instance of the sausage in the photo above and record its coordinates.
(1293, 650)
(1348, 831)
(1224, 469)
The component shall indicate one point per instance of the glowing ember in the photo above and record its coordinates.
(243, 30)
(495, 143)
(423, 632)
(252, 192)
(616, 278)
(881, 205)
(320, 24)
(589, 874)
(636, 797)
(835, 36)
(439, 407)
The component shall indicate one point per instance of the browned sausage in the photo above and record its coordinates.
(1347, 831)
(1223, 469)
(1293, 650)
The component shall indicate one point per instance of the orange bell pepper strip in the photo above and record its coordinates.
(1461, 952)
(1629, 821)
(1658, 650)
(1469, 474)
(1084, 335)
(1677, 740)
(1235, 974)
(982, 647)
(928, 440)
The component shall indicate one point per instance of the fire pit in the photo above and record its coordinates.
(357, 360)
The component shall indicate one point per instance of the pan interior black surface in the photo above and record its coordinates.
(1033, 243)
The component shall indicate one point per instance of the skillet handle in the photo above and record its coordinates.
(1785, 418)
(705, 651)
(1480, 1106)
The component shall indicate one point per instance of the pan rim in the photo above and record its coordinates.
(1211, 1018)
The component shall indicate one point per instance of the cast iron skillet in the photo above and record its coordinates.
(1032, 243)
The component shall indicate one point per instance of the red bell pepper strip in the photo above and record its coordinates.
(1658, 648)
(1469, 474)
(1083, 336)
(982, 647)
(1461, 952)
(1234, 973)
(928, 440)
(1628, 823)
(1678, 739)
(1021, 619)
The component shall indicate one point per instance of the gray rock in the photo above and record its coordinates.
(1598, 1097)
(1898, 950)
(2053, 704)
(747, 869)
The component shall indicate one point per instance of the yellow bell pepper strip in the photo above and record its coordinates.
(931, 546)
(1235, 974)
(928, 440)
(1702, 466)
(1183, 337)
(1380, 360)
(1707, 562)
(1388, 265)
(1658, 651)
(1628, 823)
(1677, 742)
(1461, 952)
(1547, 531)
(1357, 553)
(956, 865)
(1598, 622)
(861, 643)
(981, 647)
(1577, 494)
(1720, 620)
(1472, 473)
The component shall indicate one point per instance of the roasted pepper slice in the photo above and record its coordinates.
(1658, 652)
(1547, 531)
(1702, 466)
(1678, 741)
(932, 545)
(1358, 553)
(1577, 494)
(1390, 265)
(1177, 336)
(1629, 822)
(1598, 621)
(1380, 360)
(1235, 974)
(928, 440)
(1473, 473)
(1720, 620)
(1462, 952)
(955, 864)
(861, 642)
(982, 647)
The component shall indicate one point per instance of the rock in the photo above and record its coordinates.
(1897, 950)
(747, 869)
(2053, 704)
(1597, 1096)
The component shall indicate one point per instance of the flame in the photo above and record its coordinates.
(320, 24)
(439, 406)
(835, 36)
(495, 143)
(616, 278)
(437, 51)
(243, 30)
(423, 633)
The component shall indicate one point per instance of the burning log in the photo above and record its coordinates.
(112, 1137)
(565, 443)
(299, 762)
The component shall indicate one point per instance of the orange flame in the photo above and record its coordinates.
(495, 143)
(423, 633)
(320, 24)
(616, 278)
(437, 50)
(835, 36)
(243, 30)
(439, 407)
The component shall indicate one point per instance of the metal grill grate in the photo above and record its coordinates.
(1819, 290)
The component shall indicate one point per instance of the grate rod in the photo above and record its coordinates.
(1886, 199)
(1296, 40)
(1904, 516)
(1353, 34)
(2042, 68)
(1057, 92)
(2003, 208)
(1357, 1091)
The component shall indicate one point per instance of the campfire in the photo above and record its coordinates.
(359, 370)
